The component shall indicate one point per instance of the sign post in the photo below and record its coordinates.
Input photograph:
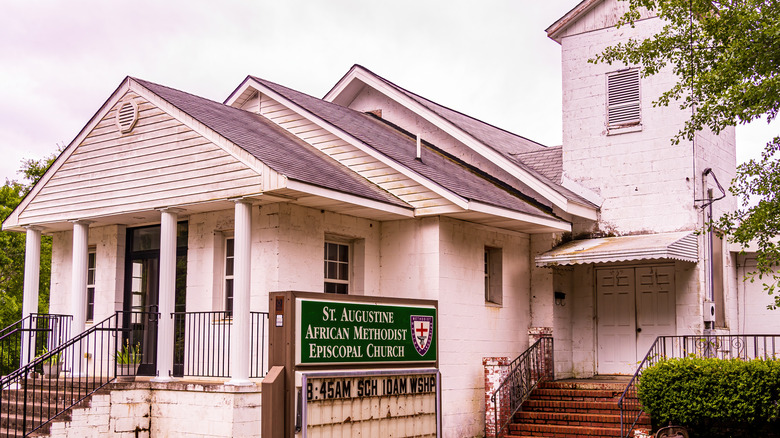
(371, 360)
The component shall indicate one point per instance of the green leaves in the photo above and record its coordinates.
(726, 55)
(12, 247)
(714, 397)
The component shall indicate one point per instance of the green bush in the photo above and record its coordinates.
(714, 397)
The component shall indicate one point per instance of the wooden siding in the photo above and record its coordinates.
(358, 161)
(605, 14)
(160, 163)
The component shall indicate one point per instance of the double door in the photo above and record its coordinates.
(635, 305)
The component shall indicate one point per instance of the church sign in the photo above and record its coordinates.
(344, 332)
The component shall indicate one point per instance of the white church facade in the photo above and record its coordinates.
(170, 203)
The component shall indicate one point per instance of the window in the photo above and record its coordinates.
(336, 268)
(623, 99)
(493, 276)
(229, 265)
(90, 315)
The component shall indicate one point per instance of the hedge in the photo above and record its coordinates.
(714, 397)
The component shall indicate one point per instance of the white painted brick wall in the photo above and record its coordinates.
(647, 182)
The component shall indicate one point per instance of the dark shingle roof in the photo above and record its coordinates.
(510, 145)
(450, 173)
(547, 161)
(272, 145)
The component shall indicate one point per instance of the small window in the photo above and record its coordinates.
(493, 276)
(336, 268)
(623, 99)
(90, 315)
(229, 266)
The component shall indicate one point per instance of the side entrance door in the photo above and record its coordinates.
(635, 305)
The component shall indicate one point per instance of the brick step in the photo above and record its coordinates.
(568, 384)
(574, 406)
(572, 419)
(576, 394)
(558, 431)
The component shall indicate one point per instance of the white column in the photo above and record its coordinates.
(242, 264)
(32, 270)
(167, 297)
(78, 285)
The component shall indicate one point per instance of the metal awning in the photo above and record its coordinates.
(669, 246)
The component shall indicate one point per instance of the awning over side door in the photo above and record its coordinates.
(670, 246)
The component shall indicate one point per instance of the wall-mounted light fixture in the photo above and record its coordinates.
(560, 298)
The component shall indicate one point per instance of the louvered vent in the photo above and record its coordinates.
(623, 99)
(126, 117)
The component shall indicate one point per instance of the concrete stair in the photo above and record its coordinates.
(571, 409)
(45, 399)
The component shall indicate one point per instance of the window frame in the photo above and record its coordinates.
(493, 272)
(623, 125)
(349, 262)
(228, 278)
(89, 311)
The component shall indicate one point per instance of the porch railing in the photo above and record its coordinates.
(202, 343)
(745, 347)
(523, 375)
(57, 380)
(30, 337)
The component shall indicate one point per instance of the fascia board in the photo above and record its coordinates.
(555, 29)
(12, 221)
(523, 217)
(345, 197)
(496, 158)
(429, 184)
(231, 99)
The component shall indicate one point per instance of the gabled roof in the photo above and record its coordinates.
(495, 144)
(272, 145)
(435, 165)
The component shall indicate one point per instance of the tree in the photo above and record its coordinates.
(726, 55)
(12, 246)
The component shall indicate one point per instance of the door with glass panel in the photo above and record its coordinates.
(142, 292)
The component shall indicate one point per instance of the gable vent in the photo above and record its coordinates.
(126, 117)
(623, 98)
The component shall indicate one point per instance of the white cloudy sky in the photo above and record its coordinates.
(60, 60)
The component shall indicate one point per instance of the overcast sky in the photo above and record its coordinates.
(60, 60)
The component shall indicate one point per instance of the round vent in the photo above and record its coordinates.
(127, 116)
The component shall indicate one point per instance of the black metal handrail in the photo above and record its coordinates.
(738, 346)
(523, 375)
(57, 380)
(258, 340)
(202, 343)
(30, 337)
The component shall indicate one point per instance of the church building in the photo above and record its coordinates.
(170, 204)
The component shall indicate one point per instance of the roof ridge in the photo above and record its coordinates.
(415, 95)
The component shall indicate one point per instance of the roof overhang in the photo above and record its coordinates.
(681, 246)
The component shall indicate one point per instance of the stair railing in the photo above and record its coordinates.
(736, 346)
(57, 380)
(31, 336)
(523, 375)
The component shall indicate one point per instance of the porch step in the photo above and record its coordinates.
(571, 409)
(45, 398)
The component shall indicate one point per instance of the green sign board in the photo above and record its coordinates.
(337, 332)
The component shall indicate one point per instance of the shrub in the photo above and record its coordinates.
(714, 397)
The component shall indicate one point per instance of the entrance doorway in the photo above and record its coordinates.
(142, 293)
(635, 305)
